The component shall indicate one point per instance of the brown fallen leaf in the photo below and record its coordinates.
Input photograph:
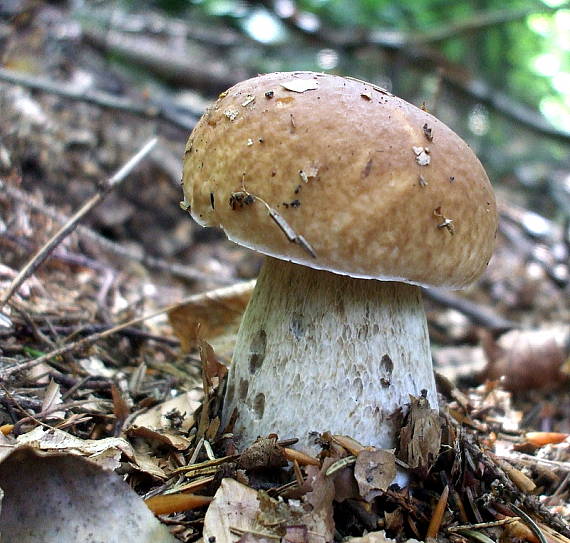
(168, 421)
(160, 417)
(377, 537)
(265, 452)
(319, 521)
(420, 438)
(171, 439)
(374, 471)
(234, 506)
(63, 498)
(214, 316)
(275, 516)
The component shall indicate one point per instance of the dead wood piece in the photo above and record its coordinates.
(478, 314)
(181, 117)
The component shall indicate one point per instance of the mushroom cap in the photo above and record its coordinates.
(338, 174)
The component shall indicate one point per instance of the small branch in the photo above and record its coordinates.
(155, 24)
(93, 338)
(181, 117)
(478, 314)
(63, 232)
(194, 67)
(122, 251)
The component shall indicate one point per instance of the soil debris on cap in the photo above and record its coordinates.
(231, 114)
(249, 99)
(446, 222)
(422, 155)
(300, 85)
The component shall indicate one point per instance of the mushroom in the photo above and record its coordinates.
(357, 198)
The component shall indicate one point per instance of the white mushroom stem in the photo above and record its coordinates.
(318, 351)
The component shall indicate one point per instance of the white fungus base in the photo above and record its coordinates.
(318, 351)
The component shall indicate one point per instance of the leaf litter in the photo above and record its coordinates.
(124, 410)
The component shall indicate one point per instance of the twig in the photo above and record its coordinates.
(127, 332)
(155, 24)
(93, 338)
(182, 117)
(477, 313)
(531, 524)
(54, 409)
(508, 492)
(122, 251)
(196, 67)
(56, 239)
(491, 524)
(438, 513)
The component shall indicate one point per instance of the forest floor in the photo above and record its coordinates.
(102, 366)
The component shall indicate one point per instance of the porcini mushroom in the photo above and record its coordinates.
(357, 197)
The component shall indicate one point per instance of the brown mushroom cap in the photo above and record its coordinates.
(338, 174)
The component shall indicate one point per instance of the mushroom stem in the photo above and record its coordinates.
(318, 351)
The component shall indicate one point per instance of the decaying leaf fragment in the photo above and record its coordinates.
(420, 438)
(238, 510)
(64, 498)
(377, 537)
(234, 506)
(174, 414)
(105, 452)
(374, 471)
(214, 316)
(263, 453)
(319, 520)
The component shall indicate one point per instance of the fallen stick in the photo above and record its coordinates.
(36, 261)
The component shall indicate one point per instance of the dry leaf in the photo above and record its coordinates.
(213, 316)
(394, 521)
(214, 370)
(65, 499)
(234, 506)
(178, 442)
(377, 537)
(52, 398)
(320, 521)
(420, 438)
(107, 451)
(300, 85)
(374, 471)
(275, 515)
(161, 415)
(263, 453)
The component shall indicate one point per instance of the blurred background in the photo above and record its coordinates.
(83, 84)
